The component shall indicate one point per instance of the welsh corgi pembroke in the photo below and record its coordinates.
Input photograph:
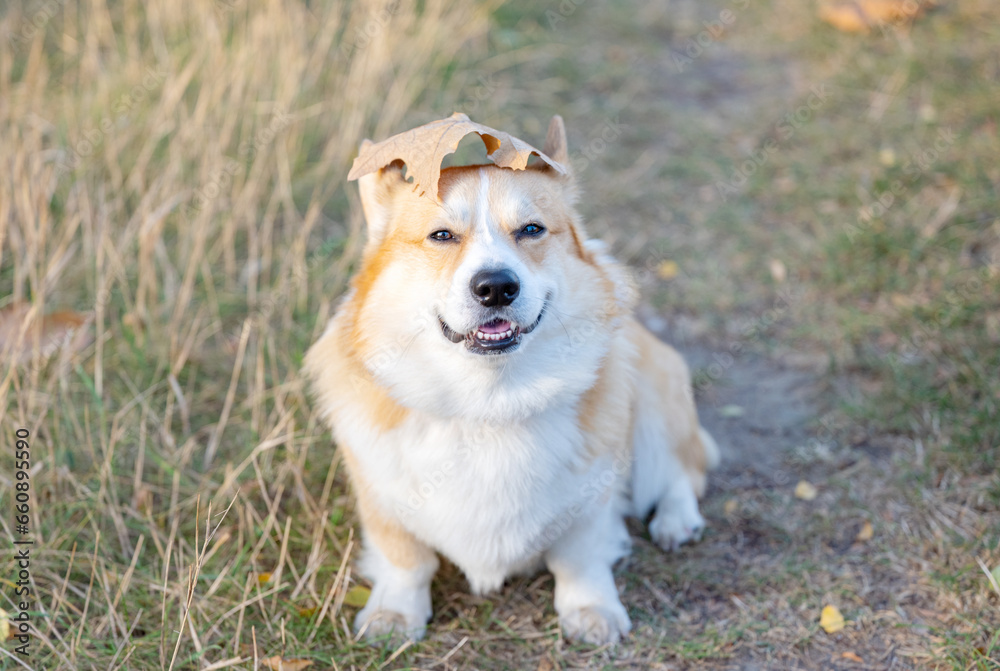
(496, 403)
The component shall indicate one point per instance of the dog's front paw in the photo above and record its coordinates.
(596, 625)
(677, 523)
(379, 625)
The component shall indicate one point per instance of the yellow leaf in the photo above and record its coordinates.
(860, 16)
(307, 612)
(357, 596)
(866, 532)
(831, 620)
(4, 625)
(263, 578)
(276, 663)
(667, 270)
(854, 657)
(805, 491)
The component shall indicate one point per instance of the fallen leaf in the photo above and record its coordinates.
(308, 611)
(865, 533)
(805, 491)
(276, 663)
(731, 411)
(545, 665)
(860, 16)
(831, 620)
(667, 270)
(852, 656)
(60, 330)
(887, 156)
(423, 148)
(4, 625)
(263, 578)
(778, 270)
(357, 596)
(730, 507)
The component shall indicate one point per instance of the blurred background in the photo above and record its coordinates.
(807, 193)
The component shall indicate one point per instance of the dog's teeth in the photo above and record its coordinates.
(494, 336)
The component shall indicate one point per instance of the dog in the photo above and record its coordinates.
(496, 402)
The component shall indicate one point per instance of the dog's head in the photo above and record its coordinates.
(491, 298)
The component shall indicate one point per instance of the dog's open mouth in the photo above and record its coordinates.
(493, 337)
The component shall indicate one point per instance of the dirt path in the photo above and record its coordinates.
(689, 101)
(667, 106)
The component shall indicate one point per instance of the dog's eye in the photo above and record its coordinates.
(442, 235)
(532, 229)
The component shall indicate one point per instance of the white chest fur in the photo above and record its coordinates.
(490, 498)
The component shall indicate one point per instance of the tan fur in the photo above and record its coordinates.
(668, 374)
(336, 371)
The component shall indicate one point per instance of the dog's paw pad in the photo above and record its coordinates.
(596, 625)
(388, 627)
(672, 528)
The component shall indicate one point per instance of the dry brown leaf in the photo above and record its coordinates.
(276, 663)
(59, 330)
(866, 532)
(831, 620)
(805, 491)
(853, 656)
(860, 16)
(423, 148)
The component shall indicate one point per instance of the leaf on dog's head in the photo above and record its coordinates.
(424, 148)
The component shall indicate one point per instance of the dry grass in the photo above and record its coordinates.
(176, 170)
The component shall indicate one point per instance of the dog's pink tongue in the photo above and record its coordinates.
(495, 327)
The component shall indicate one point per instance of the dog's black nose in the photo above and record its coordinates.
(495, 287)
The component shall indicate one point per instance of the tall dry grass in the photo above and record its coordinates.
(175, 169)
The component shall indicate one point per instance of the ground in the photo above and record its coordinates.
(812, 218)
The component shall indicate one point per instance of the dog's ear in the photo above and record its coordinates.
(555, 142)
(378, 192)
